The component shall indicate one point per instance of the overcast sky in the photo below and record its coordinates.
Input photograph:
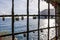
(20, 6)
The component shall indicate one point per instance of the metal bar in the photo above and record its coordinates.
(26, 15)
(38, 19)
(24, 32)
(12, 19)
(48, 17)
(27, 19)
(55, 23)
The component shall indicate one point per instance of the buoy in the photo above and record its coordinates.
(24, 35)
(51, 16)
(45, 16)
(34, 17)
(22, 18)
(33, 31)
(41, 30)
(17, 18)
(3, 18)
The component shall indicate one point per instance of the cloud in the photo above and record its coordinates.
(5, 6)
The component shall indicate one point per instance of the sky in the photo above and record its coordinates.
(20, 6)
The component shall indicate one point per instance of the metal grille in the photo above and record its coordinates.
(28, 31)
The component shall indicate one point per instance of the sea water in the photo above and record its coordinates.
(21, 26)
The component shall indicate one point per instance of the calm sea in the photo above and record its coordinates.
(21, 26)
